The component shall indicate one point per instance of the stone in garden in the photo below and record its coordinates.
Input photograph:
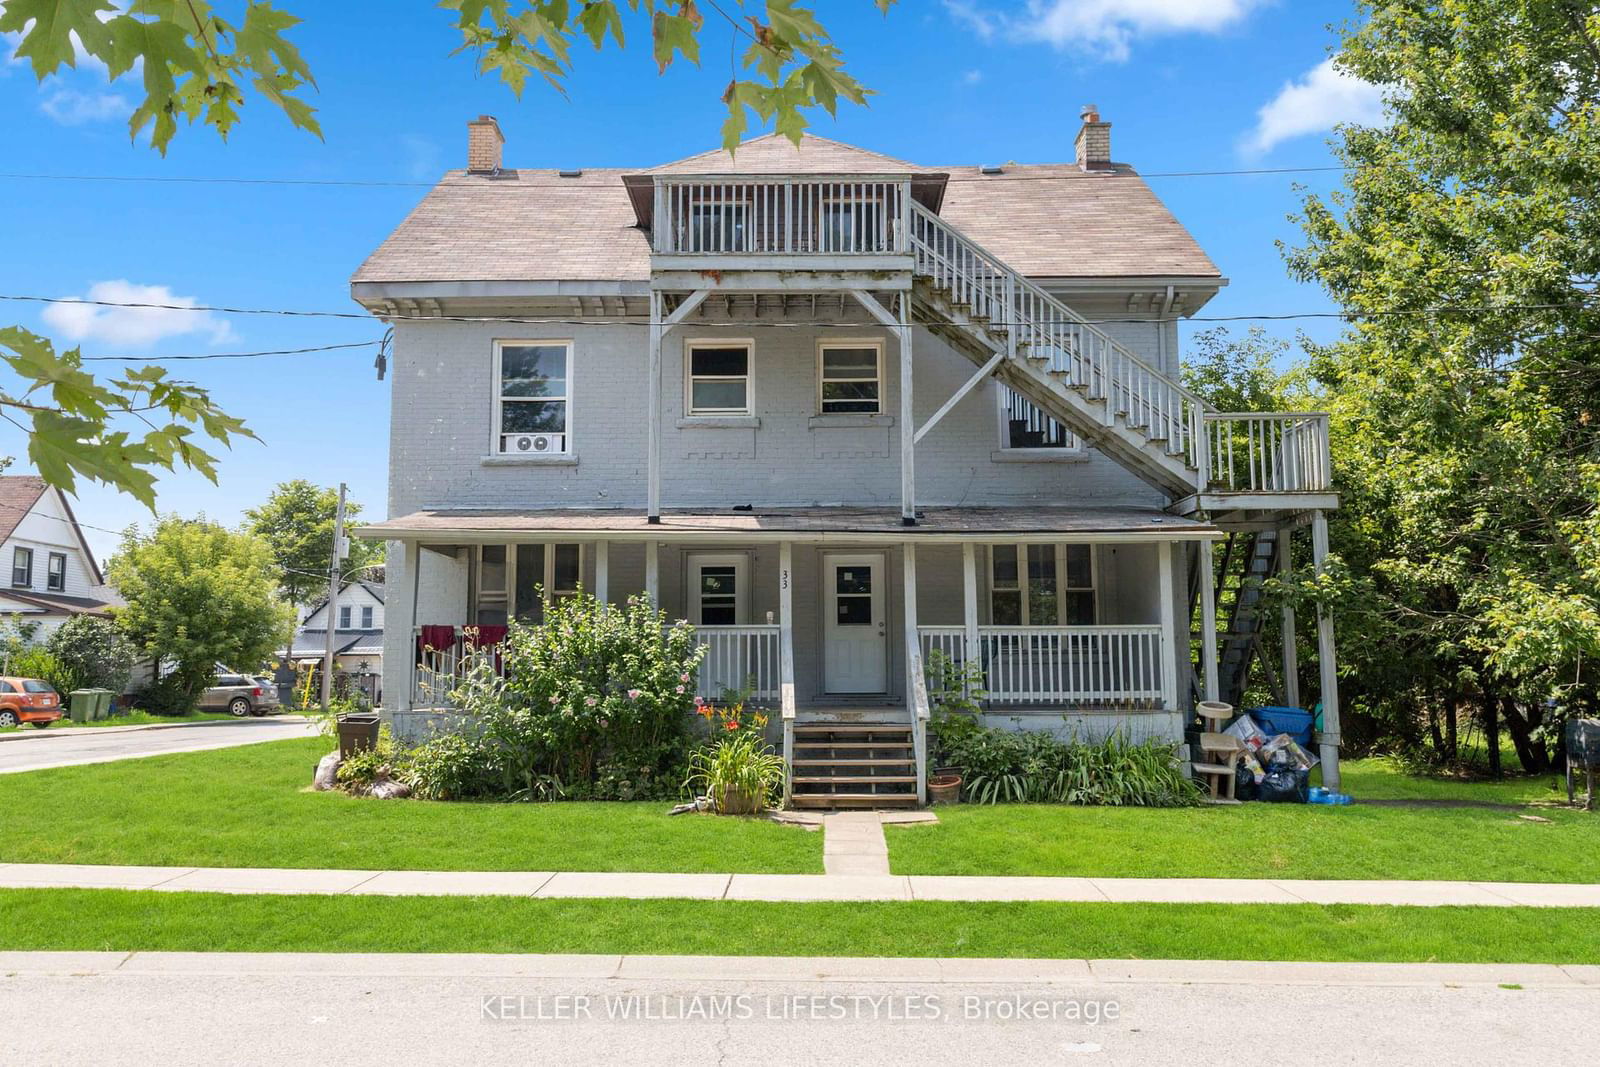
(327, 775)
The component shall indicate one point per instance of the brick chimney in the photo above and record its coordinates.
(1094, 141)
(484, 142)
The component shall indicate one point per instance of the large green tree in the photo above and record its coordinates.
(297, 523)
(1466, 394)
(201, 62)
(199, 594)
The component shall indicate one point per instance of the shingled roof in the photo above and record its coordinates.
(1051, 220)
(18, 494)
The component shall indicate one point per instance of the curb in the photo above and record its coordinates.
(96, 731)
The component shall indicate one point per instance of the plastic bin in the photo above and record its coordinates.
(80, 705)
(1296, 722)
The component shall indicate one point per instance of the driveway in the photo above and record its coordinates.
(37, 750)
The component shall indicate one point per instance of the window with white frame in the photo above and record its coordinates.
(533, 393)
(1023, 425)
(1042, 585)
(849, 377)
(55, 575)
(517, 580)
(344, 616)
(718, 377)
(22, 567)
(718, 589)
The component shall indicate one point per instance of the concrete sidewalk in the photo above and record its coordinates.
(797, 887)
(790, 970)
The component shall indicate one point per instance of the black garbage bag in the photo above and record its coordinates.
(1286, 785)
(1244, 784)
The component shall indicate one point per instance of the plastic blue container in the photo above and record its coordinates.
(1296, 722)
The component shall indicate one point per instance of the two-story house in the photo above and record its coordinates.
(53, 575)
(357, 620)
(838, 411)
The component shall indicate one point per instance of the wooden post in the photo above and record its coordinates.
(331, 608)
(914, 667)
(786, 700)
(653, 419)
(602, 572)
(909, 610)
(971, 652)
(652, 574)
(1327, 665)
(1291, 654)
(1169, 627)
(411, 556)
(1208, 622)
(908, 443)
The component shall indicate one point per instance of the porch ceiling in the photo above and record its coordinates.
(800, 524)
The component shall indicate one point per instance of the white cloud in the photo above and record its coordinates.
(73, 108)
(1103, 28)
(134, 327)
(972, 77)
(1318, 102)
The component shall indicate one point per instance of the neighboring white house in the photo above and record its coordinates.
(839, 411)
(357, 637)
(50, 573)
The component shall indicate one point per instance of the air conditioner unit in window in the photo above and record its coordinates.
(533, 444)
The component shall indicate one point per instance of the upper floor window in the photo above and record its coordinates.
(850, 377)
(344, 617)
(366, 617)
(1042, 585)
(55, 575)
(718, 377)
(717, 227)
(1024, 426)
(854, 224)
(532, 397)
(22, 567)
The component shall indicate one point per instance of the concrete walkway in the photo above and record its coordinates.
(783, 887)
(853, 842)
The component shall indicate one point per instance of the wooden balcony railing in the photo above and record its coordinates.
(1272, 452)
(1099, 666)
(755, 215)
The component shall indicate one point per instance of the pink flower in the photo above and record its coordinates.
(680, 690)
(590, 702)
(604, 723)
(634, 694)
(699, 701)
(682, 678)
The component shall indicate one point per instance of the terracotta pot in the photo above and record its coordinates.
(944, 789)
(737, 802)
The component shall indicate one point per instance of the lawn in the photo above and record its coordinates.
(1273, 840)
(249, 807)
(130, 718)
(109, 919)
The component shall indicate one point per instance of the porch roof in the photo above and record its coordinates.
(799, 524)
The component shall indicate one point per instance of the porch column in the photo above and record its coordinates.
(971, 653)
(1169, 627)
(1291, 654)
(602, 572)
(908, 436)
(411, 568)
(1329, 667)
(916, 686)
(786, 701)
(652, 574)
(653, 390)
(1208, 622)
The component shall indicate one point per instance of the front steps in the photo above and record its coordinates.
(853, 765)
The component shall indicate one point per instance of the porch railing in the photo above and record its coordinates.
(738, 658)
(1115, 666)
(1274, 452)
(765, 215)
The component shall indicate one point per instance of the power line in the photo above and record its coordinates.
(232, 355)
(1461, 309)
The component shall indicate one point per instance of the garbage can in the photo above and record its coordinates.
(80, 705)
(102, 703)
(357, 733)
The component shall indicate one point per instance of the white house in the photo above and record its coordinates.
(838, 411)
(52, 574)
(357, 637)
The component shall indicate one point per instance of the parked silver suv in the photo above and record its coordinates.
(241, 695)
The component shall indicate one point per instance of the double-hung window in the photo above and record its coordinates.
(55, 575)
(718, 377)
(717, 227)
(22, 567)
(1041, 585)
(854, 224)
(718, 589)
(344, 617)
(533, 397)
(366, 617)
(517, 580)
(849, 378)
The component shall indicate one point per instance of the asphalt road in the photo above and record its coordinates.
(37, 750)
(311, 1016)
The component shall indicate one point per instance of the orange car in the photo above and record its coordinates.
(28, 700)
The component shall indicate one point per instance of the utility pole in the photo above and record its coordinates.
(340, 550)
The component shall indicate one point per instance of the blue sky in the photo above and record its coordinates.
(1184, 83)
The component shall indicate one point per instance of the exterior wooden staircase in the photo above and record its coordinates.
(853, 765)
(1242, 640)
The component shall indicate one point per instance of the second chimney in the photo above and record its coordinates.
(484, 143)
(1094, 141)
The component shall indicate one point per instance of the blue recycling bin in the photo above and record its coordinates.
(1296, 722)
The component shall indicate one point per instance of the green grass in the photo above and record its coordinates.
(121, 920)
(1271, 840)
(130, 718)
(1381, 778)
(248, 807)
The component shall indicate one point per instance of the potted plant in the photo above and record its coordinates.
(956, 693)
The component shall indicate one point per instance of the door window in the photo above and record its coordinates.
(853, 594)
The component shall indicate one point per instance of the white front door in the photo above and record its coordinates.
(855, 629)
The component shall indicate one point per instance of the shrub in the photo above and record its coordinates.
(357, 773)
(1004, 766)
(741, 765)
(593, 688)
(165, 696)
(37, 662)
(94, 650)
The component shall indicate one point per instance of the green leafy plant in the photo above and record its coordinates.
(360, 770)
(1003, 766)
(37, 662)
(954, 688)
(740, 773)
(95, 651)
